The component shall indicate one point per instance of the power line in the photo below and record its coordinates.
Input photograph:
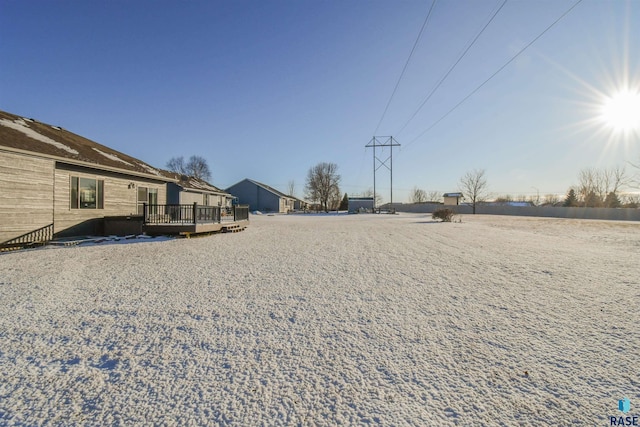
(452, 67)
(494, 74)
(424, 25)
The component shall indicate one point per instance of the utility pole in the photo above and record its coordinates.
(381, 142)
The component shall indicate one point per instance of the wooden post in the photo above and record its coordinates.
(195, 210)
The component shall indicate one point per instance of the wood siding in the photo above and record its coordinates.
(120, 198)
(189, 198)
(26, 194)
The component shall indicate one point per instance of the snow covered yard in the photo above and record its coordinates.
(327, 320)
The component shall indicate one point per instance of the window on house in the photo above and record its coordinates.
(148, 196)
(153, 200)
(205, 200)
(87, 193)
(143, 196)
(153, 196)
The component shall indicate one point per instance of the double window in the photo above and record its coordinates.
(87, 193)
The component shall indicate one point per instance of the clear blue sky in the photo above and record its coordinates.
(267, 89)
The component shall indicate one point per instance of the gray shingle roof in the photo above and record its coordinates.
(52, 141)
(192, 183)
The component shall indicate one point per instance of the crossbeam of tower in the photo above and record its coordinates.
(382, 142)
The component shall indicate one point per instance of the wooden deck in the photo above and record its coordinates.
(187, 220)
(193, 229)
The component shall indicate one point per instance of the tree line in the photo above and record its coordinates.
(595, 188)
(196, 167)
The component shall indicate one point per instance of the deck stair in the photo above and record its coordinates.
(233, 228)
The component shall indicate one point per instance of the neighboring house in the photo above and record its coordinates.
(261, 197)
(56, 183)
(360, 204)
(188, 190)
(452, 198)
(300, 205)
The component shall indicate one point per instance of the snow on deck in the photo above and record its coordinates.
(312, 320)
(22, 126)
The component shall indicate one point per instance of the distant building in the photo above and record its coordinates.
(188, 190)
(261, 197)
(360, 204)
(452, 198)
(300, 205)
(511, 203)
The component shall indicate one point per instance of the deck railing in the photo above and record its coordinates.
(241, 213)
(192, 214)
(40, 236)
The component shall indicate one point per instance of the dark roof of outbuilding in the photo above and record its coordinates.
(53, 141)
(266, 187)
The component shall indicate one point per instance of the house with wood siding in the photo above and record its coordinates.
(261, 197)
(56, 183)
(188, 190)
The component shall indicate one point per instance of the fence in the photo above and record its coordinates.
(241, 213)
(620, 214)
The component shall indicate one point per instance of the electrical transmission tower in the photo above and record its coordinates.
(381, 142)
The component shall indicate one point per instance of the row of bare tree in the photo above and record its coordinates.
(196, 166)
(600, 187)
(595, 188)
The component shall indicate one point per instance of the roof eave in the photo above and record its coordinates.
(86, 164)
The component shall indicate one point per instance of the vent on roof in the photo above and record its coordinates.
(56, 127)
(29, 120)
(184, 178)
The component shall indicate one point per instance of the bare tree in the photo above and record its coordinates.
(474, 186)
(291, 187)
(369, 193)
(634, 180)
(335, 198)
(551, 199)
(418, 195)
(592, 184)
(631, 200)
(323, 184)
(196, 166)
(619, 178)
(595, 185)
(177, 165)
(434, 196)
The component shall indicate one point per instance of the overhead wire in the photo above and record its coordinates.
(444, 77)
(494, 74)
(395, 89)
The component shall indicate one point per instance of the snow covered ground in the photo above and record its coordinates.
(328, 320)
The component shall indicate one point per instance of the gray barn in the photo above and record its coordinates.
(261, 197)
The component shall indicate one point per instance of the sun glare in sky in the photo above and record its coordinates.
(621, 111)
